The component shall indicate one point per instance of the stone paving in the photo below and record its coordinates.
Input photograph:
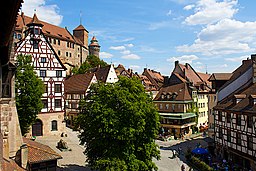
(74, 160)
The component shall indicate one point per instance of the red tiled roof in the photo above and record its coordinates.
(35, 21)
(101, 73)
(182, 91)
(78, 83)
(48, 29)
(220, 76)
(38, 152)
(80, 27)
(10, 165)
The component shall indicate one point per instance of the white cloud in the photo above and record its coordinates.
(183, 59)
(117, 47)
(126, 52)
(211, 11)
(131, 56)
(169, 13)
(129, 45)
(48, 13)
(225, 37)
(189, 7)
(236, 59)
(105, 55)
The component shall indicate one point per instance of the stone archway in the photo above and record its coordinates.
(37, 128)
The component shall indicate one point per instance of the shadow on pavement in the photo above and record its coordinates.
(73, 167)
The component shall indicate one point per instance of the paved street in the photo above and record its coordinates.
(74, 160)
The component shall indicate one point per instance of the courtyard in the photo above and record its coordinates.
(74, 160)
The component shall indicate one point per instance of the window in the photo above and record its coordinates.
(58, 73)
(228, 117)
(45, 88)
(36, 31)
(50, 40)
(45, 103)
(15, 35)
(238, 119)
(161, 106)
(70, 55)
(238, 138)
(35, 44)
(73, 105)
(42, 73)
(19, 36)
(58, 42)
(219, 115)
(167, 106)
(59, 52)
(66, 54)
(249, 142)
(67, 44)
(220, 133)
(57, 103)
(229, 135)
(54, 125)
(57, 88)
(249, 121)
(43, 59)
(54, 41)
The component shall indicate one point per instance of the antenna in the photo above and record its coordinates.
(206, 68)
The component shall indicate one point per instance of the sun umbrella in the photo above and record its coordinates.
(200, 151)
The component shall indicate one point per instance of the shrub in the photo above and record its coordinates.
(200, 164)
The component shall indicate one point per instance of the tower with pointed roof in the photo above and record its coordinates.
(94, 47)
(82, 34)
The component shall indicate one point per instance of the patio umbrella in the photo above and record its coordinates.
(200, 151)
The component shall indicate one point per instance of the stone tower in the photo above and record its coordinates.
(94, 47)
(82, 34)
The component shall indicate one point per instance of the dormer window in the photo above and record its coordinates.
(239, 97)
(252, 100)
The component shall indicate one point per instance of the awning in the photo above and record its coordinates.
(177, 115)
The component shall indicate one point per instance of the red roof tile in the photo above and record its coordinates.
(10, 165)
(78, 83)
(38, 152)
(182, 91)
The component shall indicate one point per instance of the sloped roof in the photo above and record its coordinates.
(220, 76)
(244, 104)
(101, 72)
(10, 165)
(181, 90)
(241, 69)
(35, 21)
(78, 83)
(80, 27)
(38, 152)
(48, 29)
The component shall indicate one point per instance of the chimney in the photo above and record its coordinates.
(24, 155)
(253, 57)
(176, 63)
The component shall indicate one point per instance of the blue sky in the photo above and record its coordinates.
(212, 35)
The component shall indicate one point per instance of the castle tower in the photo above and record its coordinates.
(82, 34)
(94, 47)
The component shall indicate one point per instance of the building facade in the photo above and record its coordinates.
(235, 117)
(176, 107)
(50, 69)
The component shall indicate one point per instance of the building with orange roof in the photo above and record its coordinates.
(72, 49)
(175, 106)
(185, 73)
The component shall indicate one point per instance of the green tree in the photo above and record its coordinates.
(90, 62)
(119, 123)
(29, 89)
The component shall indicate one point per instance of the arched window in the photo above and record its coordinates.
(54, 125)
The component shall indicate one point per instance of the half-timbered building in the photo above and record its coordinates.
(235, 117)
(50, 69)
